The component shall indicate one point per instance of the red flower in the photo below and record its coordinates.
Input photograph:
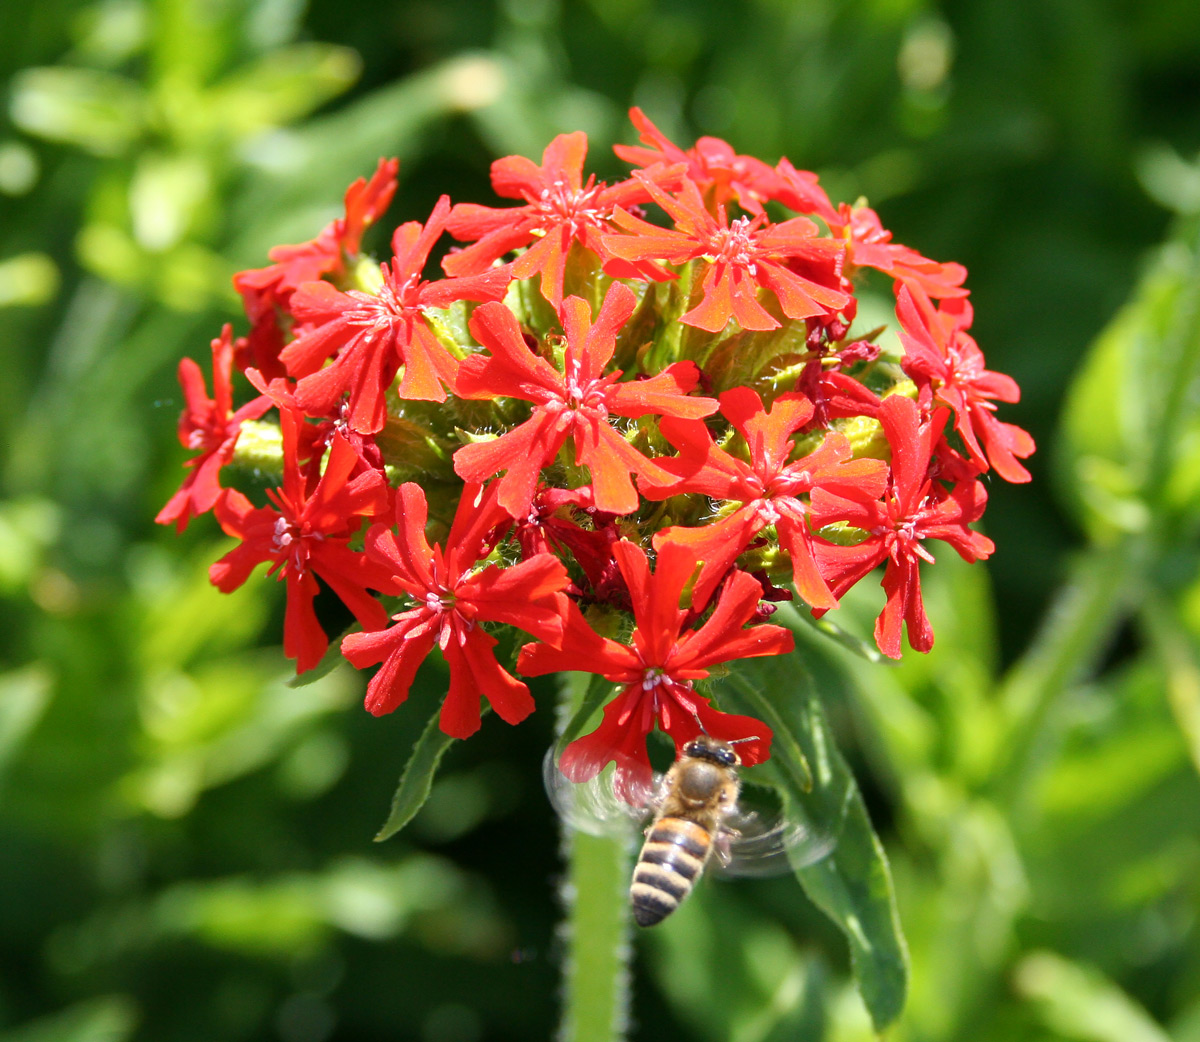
(836, 394)
(576, 403)
(373, 334)
(743, 255)
(315, 438)
(266, 291)
(943, 359)
(452, 599)
(800, 190)
(719, 172)
(657, 668)
(768, 487)
(305, 534)
(551, 528)
(868, 243)
(210, 425)
(561, 208)
(915, 509)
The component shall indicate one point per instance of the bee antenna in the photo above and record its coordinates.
(739, 741)
(700, 723)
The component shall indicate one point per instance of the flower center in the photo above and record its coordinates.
(767, 511)
(559, 203)
(735, 244)
(288, 543)
(378, 313)
(581, 395)
(654, 677)
(439, 602)
(906, 540)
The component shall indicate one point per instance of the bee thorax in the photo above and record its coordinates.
(699, 781)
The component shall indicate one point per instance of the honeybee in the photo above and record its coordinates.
(697, 817)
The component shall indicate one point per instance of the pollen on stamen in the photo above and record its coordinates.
(652, 679)
(283, 536)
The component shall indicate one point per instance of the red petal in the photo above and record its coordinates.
(401, 648)
(303, 638)
(474, 671)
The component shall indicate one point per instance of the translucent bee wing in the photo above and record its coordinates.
(748, 846)
(592, 806)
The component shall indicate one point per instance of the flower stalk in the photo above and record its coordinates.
(596, 937)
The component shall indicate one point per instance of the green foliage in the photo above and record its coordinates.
(184, 837)
(852, 884)
(417, 780)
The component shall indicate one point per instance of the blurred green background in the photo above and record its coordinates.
(185, 841)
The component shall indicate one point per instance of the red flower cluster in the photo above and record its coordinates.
(604, 371)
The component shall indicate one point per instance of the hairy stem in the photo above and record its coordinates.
(596, 932)
(595, 897)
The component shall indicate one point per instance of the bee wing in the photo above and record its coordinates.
(592, 806)
(751, 846)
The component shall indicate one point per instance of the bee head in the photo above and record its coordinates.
(705, 747)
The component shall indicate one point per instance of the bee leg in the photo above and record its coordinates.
(722, 845)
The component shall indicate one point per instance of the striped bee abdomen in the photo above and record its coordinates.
(672, 858)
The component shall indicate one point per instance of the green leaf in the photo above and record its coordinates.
(100, 112)
(1181, 663)
(788, 760)
(329, 662)
(24, 695)
(853, 884)
(798, 620)
(1077, 1001)
(112, 1018)
(417, 779)
(283, 85)
(1131, 424)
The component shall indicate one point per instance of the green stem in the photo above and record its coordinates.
(595, 897)
(1103, 585)
(596, 966)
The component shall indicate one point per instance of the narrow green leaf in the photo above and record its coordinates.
(417, 779)
(853, 884)
(283, 85)
(98, 111)
(1077, 1001)
(796, 620)
(329, 661)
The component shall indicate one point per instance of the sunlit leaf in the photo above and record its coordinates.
(1079, 1002)
(97, 111)
(109, 1019)
(1130, 427)
(282, 86)
(23, 697)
